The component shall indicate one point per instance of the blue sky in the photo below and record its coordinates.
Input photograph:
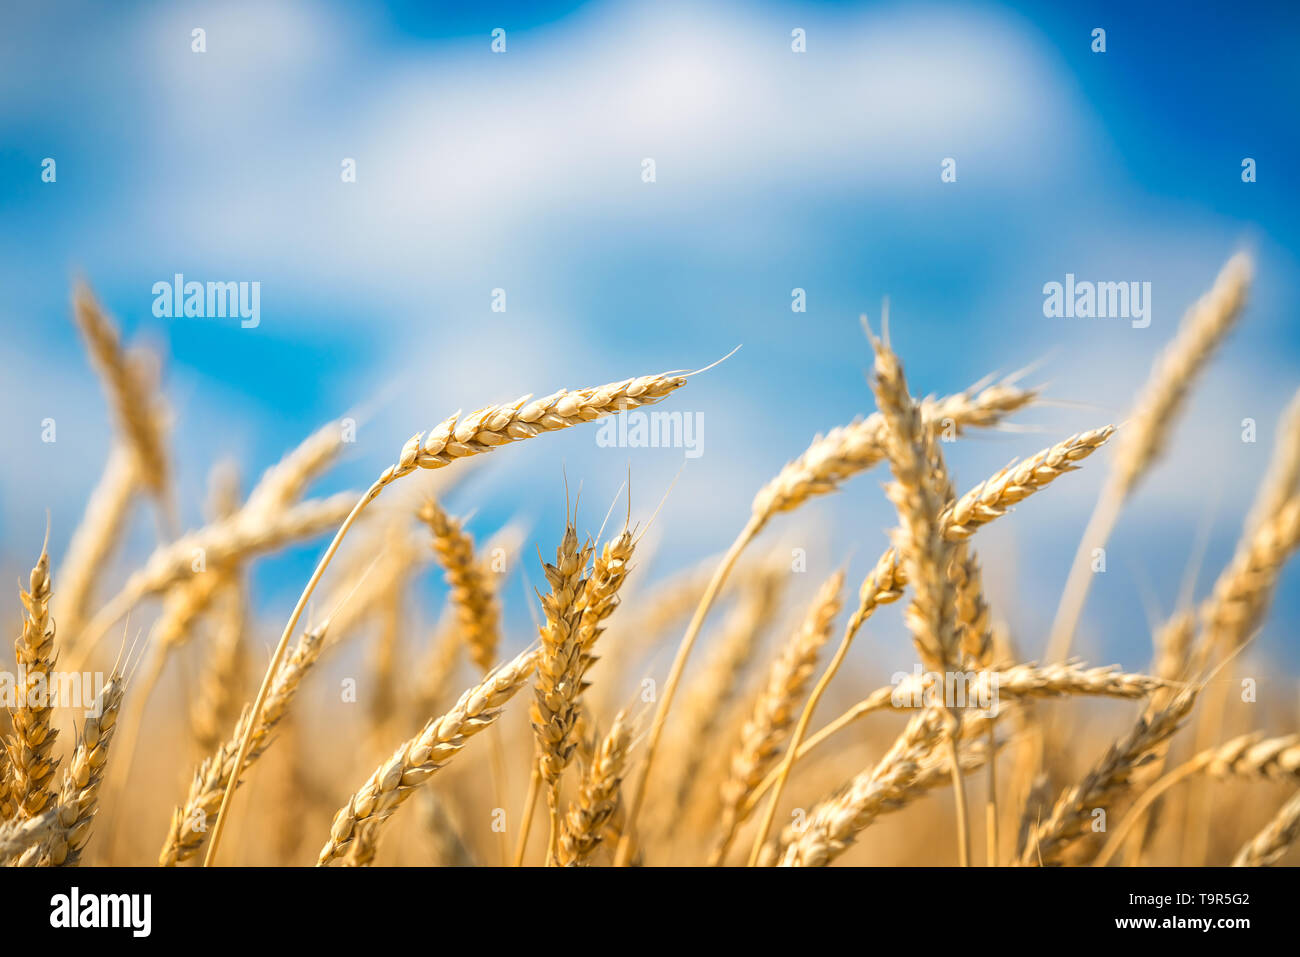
(775, 170)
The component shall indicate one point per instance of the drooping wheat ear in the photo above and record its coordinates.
(598, 796)
(833, 824)
(139, 413)
(33, 755)
(1244, 591)
(1109, 779)
(458, 438)
(191, 820)
(477, 609)
(221, 683)
(709, 697)
(94, 539)
(415, 761)
(1155, 411)
(1268, 846)
(1200, 333)
(77, 802)
(829, 461)
(774, 711)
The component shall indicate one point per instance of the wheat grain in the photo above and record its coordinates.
(477, 609)
(77, 802)
(1107, 781)
(1267, 847)
(32, 757)
(598, 796)
(417, 759)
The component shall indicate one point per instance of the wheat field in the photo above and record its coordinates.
(699, 717)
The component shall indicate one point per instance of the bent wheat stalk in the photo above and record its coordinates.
(458, 438)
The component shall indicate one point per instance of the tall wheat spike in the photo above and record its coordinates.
(32, 756)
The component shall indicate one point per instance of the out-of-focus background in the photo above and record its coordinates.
(774, 170)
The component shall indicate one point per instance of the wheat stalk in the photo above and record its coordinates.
(415, 761)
